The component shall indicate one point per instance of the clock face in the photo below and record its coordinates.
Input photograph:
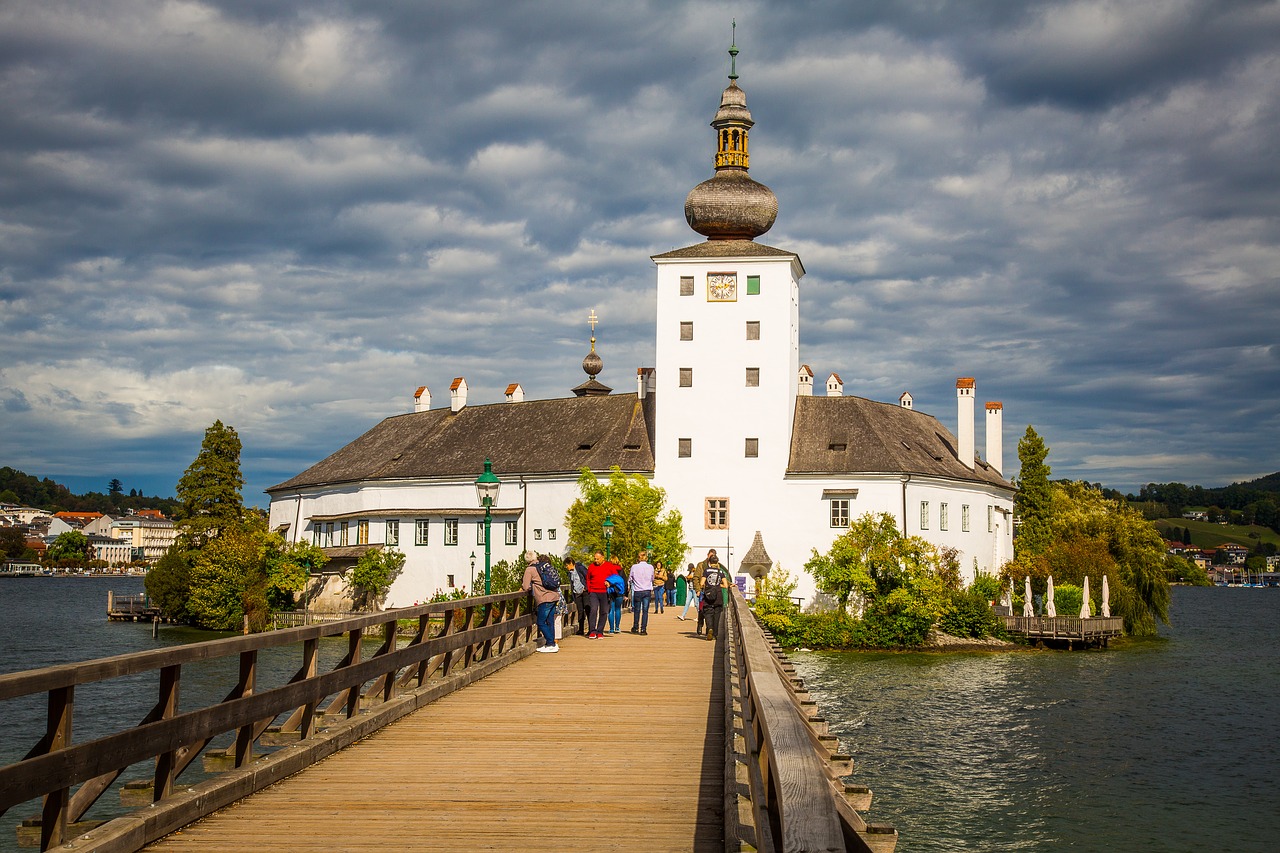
(722, 287)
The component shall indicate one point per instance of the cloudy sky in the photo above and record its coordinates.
(289, 215)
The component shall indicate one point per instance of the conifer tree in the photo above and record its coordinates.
(1034, 502)
(209, 491)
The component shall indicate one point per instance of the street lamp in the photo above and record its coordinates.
(608, 534)
(487, 486)
(473, 574)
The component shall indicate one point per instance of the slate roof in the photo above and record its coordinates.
(727, 249)
(533, 437)
(854, 435)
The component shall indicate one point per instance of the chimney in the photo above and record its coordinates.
(515, 394)
(645, 382)
(458, 395)
(905, 400)
(835, 385)
(964, 419)
(421, 399)
(995, 436)
(804, 386)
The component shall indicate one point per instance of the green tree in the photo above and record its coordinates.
(228, 578)
(863, 560)
(72, 545)
(636, 507)
(209, 490)
(288, 568)
(115, 487)
(371, 577)
(1033, 502)
(13, 546)
(168, 584)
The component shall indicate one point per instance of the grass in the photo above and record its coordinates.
(1206, 534)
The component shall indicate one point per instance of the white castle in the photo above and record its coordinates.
(726, 422)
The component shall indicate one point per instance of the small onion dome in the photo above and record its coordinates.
(731, 206)
(592, 364)
(733, 106)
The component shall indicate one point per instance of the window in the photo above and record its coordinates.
(840, 512)
(451, 531)
(942, 516)
(924, 515)
(686, 285)
(346, 525)
(753, 330)
(393, 532)
(964, 518)
(513, 532)
(686, 377)
(753, 377)
(537, 533)
(753, 285)
(551, 533)
(479, 534)
(316, 533)
(420, 532)
(991, 519)
(328, 534)
(717, 514)
(686, 330)
(362, 532)
(449, 580)
(685, 449)
(753, 448)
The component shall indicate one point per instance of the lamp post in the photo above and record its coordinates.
(473, 574)
(608, 534)
(487, 486)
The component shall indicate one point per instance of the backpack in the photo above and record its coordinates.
(550, 577)
(711, 590)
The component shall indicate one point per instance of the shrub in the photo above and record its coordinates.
(971, 616)
(896, 620)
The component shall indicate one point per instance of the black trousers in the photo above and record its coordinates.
(580, 601)
(599, 611)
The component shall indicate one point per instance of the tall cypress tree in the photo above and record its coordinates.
(1033, 503)
(209, 491)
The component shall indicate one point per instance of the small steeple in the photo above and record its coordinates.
(592, 365)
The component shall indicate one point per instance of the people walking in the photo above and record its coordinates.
(714, 579)
(535, 582)
(617, 592)
(578, 583)
(659, 586)
(692, 588)
(598, 593)
(642, 584)
(669, 587)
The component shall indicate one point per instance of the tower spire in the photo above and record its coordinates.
(733, 51)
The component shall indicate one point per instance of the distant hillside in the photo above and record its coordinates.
(21, 488)
(1253, 502)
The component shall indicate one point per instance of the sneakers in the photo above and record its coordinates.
(635, 630)
(592, 635)
(681, 618)
(643, 631)
(549, 649)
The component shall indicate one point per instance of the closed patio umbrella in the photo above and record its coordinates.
(1106, 597)
(1049, 609)
(1027, 608)
(1085, 609)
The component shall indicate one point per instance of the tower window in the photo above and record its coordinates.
(753, 285)
(753, 377)
(717, 514)
(686, 377)
(686, 285)
(753, 448)
(753, 330)
(684, 448)
(686, 330)
(924, 515)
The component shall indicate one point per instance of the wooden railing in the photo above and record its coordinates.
(454, 643)
(783, 769)
(1070, 628)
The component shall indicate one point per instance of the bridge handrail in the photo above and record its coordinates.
(54, 764)
(798, 802)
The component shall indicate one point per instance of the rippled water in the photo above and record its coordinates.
(1158, 745)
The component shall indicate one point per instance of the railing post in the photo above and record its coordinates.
(245, 734)
(167, 762)
(353, 652)
(309, 658)
(53, 819)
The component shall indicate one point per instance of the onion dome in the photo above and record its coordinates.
(731, 206)
(592, 365)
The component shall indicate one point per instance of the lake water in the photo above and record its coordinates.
(1154, 745)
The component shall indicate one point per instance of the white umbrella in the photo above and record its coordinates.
(1006, 597)
(1049, 609)
(1085, 610)
(1106, 597)
(1027, 609)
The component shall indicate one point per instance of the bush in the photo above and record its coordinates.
(896, 620)
(1067, 598)
(970, 615)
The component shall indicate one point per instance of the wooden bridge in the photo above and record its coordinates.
(657, 742)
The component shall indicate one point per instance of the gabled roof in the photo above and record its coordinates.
(534, 437)
(854, 435)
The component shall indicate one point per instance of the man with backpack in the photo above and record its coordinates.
(714, 579)
(543, 581)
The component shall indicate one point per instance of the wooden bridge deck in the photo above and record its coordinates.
(612, 744)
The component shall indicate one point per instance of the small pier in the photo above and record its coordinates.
(1071, 631)
(132, 607)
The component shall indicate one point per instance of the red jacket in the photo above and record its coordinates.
(597, 575)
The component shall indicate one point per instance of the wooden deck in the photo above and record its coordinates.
(612, 744)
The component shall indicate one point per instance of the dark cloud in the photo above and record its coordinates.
(288, 216)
